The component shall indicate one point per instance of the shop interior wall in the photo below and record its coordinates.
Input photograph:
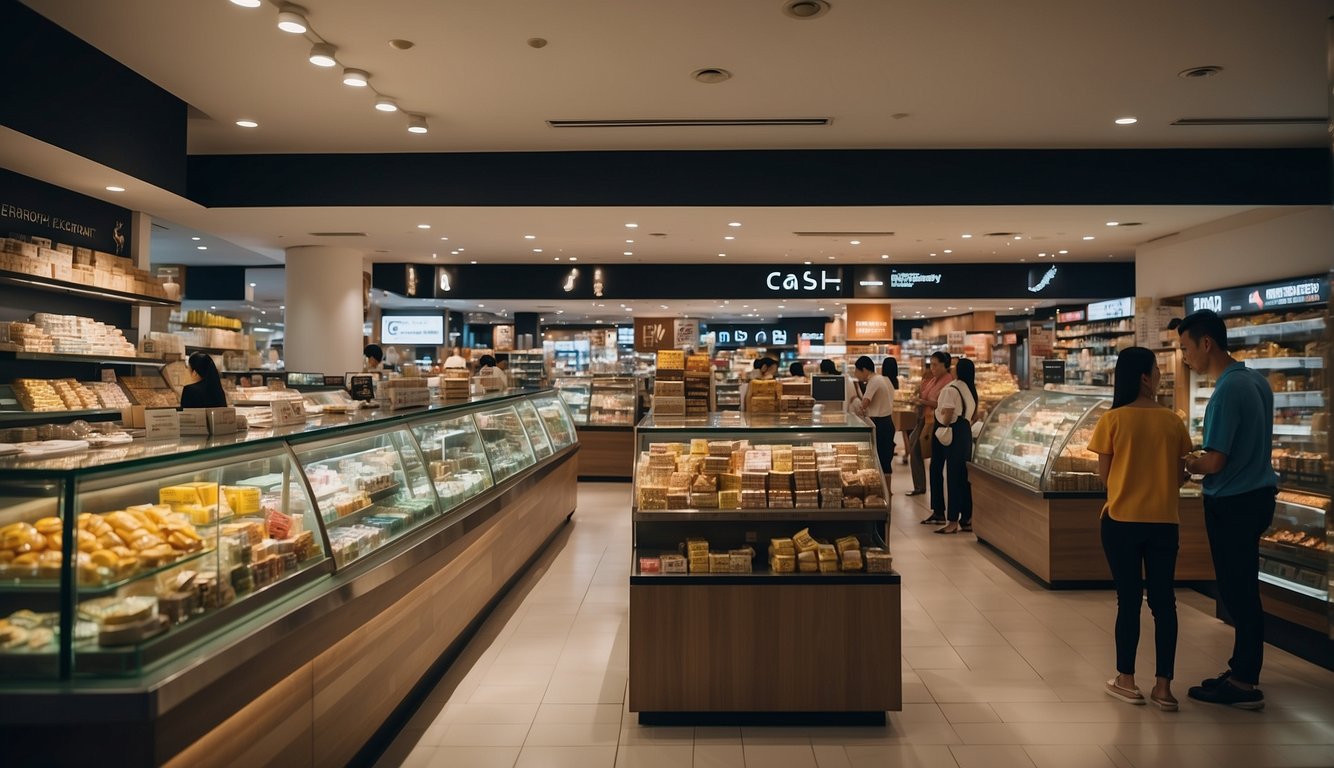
(1252, 247)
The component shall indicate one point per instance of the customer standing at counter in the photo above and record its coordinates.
(889, 368)
(1239, 489)
(873, 398)
(912, 440)
(939, 369)
(954, 415)
(1140, 445)
(206, 390)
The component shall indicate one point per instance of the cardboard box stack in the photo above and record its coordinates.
(39, 257)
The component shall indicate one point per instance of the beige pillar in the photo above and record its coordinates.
(324, 310)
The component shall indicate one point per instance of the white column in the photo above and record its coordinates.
(324, 310)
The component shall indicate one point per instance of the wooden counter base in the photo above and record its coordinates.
(1058, 540)
(764, 648)
(606, 453)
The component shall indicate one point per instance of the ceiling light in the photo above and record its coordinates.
(1127, 120)
(472, 262)
(854, 242)
(537, 250)
(454, 253)
(247, 123)
(201, 247)
(417, 124)
(462, 249)
(733, 223)
(252, 285)
(806, 262)
(721, 255)
(627, 253)
(574, 258)
(357, 78)
(728, 237)
(290, 19)
(386, 104)
(247, 3)
(322, 55)
(423, 226)
(965, 237)
(1018, 237)
(947, 250)
(114, 188)
(530, 237)
(1062, 251)
(884, 255)
(1113, 223)
(435, 255)
(1088, 237)
(631, 225)
(444, 238)
(194, 238)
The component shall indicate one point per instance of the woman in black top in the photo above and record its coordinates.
(206, 391)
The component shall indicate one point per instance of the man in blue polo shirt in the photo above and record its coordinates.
(1239, 489)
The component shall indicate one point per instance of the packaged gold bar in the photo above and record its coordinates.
(846, 543)
(678, 500)
(699, 564)
(828, 566)
(706, 500)
(699, 446)
(704, 484)
(720, 562)
(806, 499)
(729, 481)
(753, 500)
(851, 560)
(673, 359)
(782, 546)
(680, 481)
(879, 560)
(740, 561)
(826, 552)
(179, 494)
(807, 562)
(729, 499)
(781, 563)
(673, 563)
(720, 448)
(804, 541)
(697, 547)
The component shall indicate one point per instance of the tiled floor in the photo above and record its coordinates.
(997, 672)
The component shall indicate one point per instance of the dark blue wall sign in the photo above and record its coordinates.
(32, 207)
(1243, 300)
(1063, 280)
(784, 333)
(65, 92)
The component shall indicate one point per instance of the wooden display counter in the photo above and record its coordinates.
(1056, 537)
(606, 453)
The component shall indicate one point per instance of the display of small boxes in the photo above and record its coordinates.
(669, 389)
(879, 560)
(671, 359)
(672, 563)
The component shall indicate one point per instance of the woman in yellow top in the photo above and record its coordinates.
(1141, 448)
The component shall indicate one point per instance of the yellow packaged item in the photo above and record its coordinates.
(179, 494)
(804, 541)
(807, 562)
(244, 500)
(781, 563)
(846, 543)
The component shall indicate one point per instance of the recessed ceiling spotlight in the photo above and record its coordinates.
(195, 238)
(884, 255)
(574, 258)
(322, 55)
(966, 236)
(386, 104)
(530, 237)
(247, 3)
(417, 124)
(947, 250)
(472, 262)
(114, 188)
(805, 9)
(423, 226)
(444, 238)
(247, 123)
(1127, 120)
(252, 285)
(711, 75)
(1062, 251)
(1018, 237)
(291, 19)
(454, 253)
(357, 78)
(556, 259)
(1088, 237)
(463, 249)
(733, 223)
(721, 255)
(1113, 223)
(631, 225)
(201, 247)
(728, 237)
(435, 255)
(805, 262)
(401, 45)
(627, 253)
(854, 242)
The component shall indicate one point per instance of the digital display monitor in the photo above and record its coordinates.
(413, 330)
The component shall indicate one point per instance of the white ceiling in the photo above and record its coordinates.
(968, 73)
(965, 73)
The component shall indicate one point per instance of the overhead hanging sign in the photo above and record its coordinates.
(1111, 310)
(1260, 298)
(1076, 280)
(787, 333)
(870, 322)
(36, 209)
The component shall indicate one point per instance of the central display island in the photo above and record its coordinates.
(762, 583)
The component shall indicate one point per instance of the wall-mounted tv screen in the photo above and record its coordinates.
(418, 330)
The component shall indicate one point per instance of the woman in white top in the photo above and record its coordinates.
(873, 397)
(955, 409)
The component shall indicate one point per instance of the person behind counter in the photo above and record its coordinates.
(797, 370)
(503, 366)
(374, 358)
(765, 368)
(827, 368)
(490, 374)
(873, 397)
(1139, 445)
(206, 390)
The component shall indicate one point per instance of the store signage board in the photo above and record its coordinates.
(1078, 280)
(1073, 316)
(783, 334)
(654, 333)
(502, 338)
(1247, 299)
(686, 333)
(162, 424)
(829, 389)
(625, 335)
(37, 209)
(421, 330)
(1111, 310)
(870, 322)
(1053, 371)
(361, 387)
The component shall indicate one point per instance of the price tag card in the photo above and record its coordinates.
(288, 412)
(162, 424)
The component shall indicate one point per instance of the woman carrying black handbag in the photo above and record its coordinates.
(954, 440)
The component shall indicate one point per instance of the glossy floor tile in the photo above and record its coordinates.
(997, 672)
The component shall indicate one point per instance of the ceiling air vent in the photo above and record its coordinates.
(845, 234)
(337, 234)
(1235, 121)
(692, 123)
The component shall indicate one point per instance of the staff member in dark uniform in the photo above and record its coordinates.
(206, 390)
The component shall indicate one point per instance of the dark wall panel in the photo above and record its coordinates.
(37, 209)
(63, 91)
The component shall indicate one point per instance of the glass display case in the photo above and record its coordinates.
(506, 442)
(556, 418)
(575, 392)
(1039, 439)
(369, 491)
(527, 370)
(455, 459)
(613, 401)
(115, 558)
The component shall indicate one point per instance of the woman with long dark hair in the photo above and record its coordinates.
(206, 390)
(955, 409)
(1141, 448)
